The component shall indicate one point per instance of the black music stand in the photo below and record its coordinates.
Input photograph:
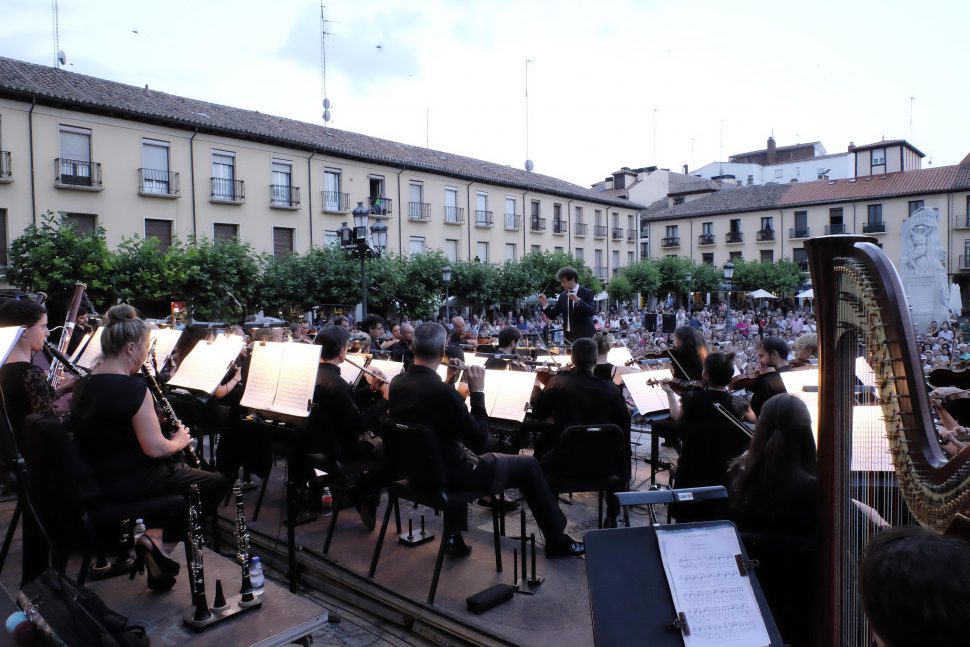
(630, 600)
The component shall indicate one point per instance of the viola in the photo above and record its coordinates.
(678, 386)
(746, 381)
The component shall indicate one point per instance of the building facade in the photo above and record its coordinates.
(780, 164)
(141, 162)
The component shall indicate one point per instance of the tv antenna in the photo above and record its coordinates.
(323, 63)
(528, 162)
(60, 58)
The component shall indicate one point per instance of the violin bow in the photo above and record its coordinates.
(730, 416)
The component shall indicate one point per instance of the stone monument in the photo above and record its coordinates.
(922, 268)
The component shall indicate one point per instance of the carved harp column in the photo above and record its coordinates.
(886, 456)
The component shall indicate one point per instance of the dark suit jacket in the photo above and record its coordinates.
(336, 424)
(579, 315)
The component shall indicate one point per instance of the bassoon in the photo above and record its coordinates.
(57, 369)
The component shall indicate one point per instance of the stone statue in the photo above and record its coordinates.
(922, 268)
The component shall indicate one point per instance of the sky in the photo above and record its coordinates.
(610, 83)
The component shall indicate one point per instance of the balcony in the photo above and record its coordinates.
(798, 232)
(419, 211)
(964, 262)
(226, 190)
(580, 229)
(537, 224)
(158, 183)
(874, 228)
(617, 233)
(599, 231)
(765, 235)
(600, 272)
(959, 222)
(631, 235)
(484, 219)
(559, 227)
(513, 222)
(284, 196)
(836, 229)
(705, 239)
(75, 174)
(380, 206)
(670, 241)
(733, 237)
(454, 216)
(335, 202)
(6, 169)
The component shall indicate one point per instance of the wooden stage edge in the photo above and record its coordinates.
(320, 573)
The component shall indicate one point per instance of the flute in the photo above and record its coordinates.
(366, 371)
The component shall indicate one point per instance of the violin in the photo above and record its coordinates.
(659, 354)
(746, 381)
(798, 362)
(678, 386)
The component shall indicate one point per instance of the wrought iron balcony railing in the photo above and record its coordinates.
(335, 201)
(798, 232)
(670, 241)
(483, 219)
(77, 173)
(380, 206)
(226, 190)
(513, 222)
(537, 224)
(559, 227)
(284, 196)
(765, 235)
(734, 237)
(617, 233)
(705, 239)
(874, 228)
(836, 229)
(599, 231)
(6, 169)
(157, 182)
(419, 211)
(454, 215)
(580, 228)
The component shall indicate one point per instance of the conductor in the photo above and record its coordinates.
(575, 304)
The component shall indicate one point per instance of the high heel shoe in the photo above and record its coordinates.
(161, 569)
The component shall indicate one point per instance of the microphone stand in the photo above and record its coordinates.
(397, 302)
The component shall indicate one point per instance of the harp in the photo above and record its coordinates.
(862, 312)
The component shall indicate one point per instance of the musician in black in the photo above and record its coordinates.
(401, 350)
(419, 396)
(508, 338)
(373, 325)
(24, 384)
(688, 354)
(575, 304)
(772, 352)
(117, 428)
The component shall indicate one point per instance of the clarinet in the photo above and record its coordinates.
(242, 547)
(65, 361)
(173, 422)
(196, 567)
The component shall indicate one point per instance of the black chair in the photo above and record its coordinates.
(418, 475)
(707, 450)
(590, 458)
(343, 477)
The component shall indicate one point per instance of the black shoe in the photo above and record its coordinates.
(566, 548)
(161, 569)
(455, 546)
(504, 505)
(368, 515)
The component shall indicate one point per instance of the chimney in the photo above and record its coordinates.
(772, 154)
(685, 169)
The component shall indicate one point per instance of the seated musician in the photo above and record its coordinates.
(117, 428)
(24, 385)
(373, 325)
(688, 353)
(772, 352)
(460, 334)
(915, 586)
(401, 350)
(395, 337)
(577, 397)
(336, 426)
(604, 369)
(419, 396)
(508, 339)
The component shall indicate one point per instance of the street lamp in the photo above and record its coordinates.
(446, 279)
(355, 242)
(728, 275)
(689, 277)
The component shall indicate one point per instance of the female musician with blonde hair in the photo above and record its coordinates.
(119, 433)
(23, 384)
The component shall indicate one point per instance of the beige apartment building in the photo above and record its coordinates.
(772, 221)
(138, 161)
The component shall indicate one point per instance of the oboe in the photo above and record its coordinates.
(65, 361)
(173, 422)
(196, 566)
(242, 548)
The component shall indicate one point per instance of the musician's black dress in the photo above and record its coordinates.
(25, 391)
(101, 416)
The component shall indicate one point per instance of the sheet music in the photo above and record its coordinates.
(264, 376)
(92, 352)
(165, 341)
(298, 376)
(389, 368)
(471, 359)
(803, 383)
(648, 398)
(349, 372)
(207, 364)
(717, 601)
(507, 393)
(619, 356)
(80, 347)
(9, 336)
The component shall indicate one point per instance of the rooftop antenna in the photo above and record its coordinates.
(528, 162)
(911, 100)
(655, 111)
(693, 163)
(59, 57)
(323, 63)
(720, 156)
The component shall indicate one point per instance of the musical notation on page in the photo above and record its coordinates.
(92, 352)
(282, 377)
(204, 368)
(9, 336)
(507, 393)
(649, 398)
(619, 356)
(165, 340)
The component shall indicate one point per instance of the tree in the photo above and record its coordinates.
(644, 277)
(514, 283)
(707, 278)
(542, 267)
(477, 283)
(145, 276)
(620, 288)
(295, 283)
(210, 270)
(673, 275)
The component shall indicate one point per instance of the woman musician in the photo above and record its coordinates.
(24, 385)
(119, 433)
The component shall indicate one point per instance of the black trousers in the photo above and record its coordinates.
(495, 473)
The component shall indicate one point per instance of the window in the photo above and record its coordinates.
(557, 249)
(737, 256)
(510, 219)
(75, 160)
(914, 206)
(579, 215)
(452, 213)
(707, 229)
(578, 254)
(155, 170)
(451, 250)
(616, 219)
(535, 248)
(778, 173)
(878, 156)
(678, 201)
(482, 251)
(631, 223)
(223, 175)
(280, 191)
(835, 216)
(629, 258)
(874, 214)
(160, 229)
(598, 260)
(767, 223)
(767, 256)
(801, 257)
(482, 216)
(672, 231)
(735, 225)
(282, 241)
(707, 258)
(225, 231)
(510, 252)
(616, 259)
(333, 200)
(599, 217)
(416, 207)
(417, 245)
(380, 205)
(82, 223)
(800, 230)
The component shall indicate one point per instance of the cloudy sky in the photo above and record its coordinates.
(604, 77)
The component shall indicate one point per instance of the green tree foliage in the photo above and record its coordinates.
(707, 278)
(779, 278)
(144, 275)
(207, 269)
(296, 283)
(514, 283)
(51, 257)
(476, 283)
(620, 288)
(673, 274)
(644, 277)
(542, 268)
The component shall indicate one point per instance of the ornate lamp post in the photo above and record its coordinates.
(690, 293)
(446, 279)
(355, 242)
(728, 287)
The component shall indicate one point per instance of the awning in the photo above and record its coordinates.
(761, 294)
(807, 294)
(602, 296)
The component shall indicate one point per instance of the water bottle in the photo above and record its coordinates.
(256, 576)
(139, 529)
(326, 502)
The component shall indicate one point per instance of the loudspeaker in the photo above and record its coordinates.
(650, 321)
(669, 324)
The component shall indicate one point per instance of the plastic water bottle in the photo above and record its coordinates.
(326, 502)
(139, 529)
(256, 576)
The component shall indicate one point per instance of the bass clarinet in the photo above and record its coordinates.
(173, 422)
